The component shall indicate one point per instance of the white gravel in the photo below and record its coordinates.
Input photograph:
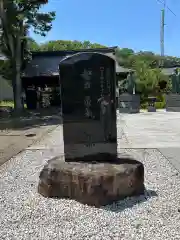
(26, 215)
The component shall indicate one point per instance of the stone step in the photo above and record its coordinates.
(129, 110)
(172, 109)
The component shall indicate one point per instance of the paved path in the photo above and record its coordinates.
(152, 130)
(160, 130)
(15, 136)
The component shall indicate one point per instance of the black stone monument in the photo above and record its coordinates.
(88, 104)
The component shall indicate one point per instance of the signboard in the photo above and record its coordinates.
(88, 96)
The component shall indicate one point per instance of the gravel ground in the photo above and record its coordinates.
(26, 215)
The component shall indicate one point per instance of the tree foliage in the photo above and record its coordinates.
(147, 66)
(64, 45)
(148, 79)
(127, 57)
(17, 17)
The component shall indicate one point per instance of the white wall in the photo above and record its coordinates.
(6, 91)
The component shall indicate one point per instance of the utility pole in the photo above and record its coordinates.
(162, 33)
(164, 3)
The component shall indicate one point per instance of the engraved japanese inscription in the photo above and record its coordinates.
(88, 105)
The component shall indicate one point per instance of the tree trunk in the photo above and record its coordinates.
(17, 90)
(17, 86)
(13, 43)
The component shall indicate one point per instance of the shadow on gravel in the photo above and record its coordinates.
(130, 202)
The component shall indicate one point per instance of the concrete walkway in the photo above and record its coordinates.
(16, 136)
(160, 130)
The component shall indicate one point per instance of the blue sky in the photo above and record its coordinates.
(125, 23)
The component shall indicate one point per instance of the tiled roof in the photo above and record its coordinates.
(71, 52)
(40, 66)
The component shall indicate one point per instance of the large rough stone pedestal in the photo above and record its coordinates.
(173, 102)
(129, 103)
(94, 180)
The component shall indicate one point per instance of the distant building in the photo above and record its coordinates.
(44, 66)
(44, 69)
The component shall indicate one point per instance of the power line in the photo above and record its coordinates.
(165, 6)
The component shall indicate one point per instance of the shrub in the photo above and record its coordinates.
(144, 105)
(160, 105)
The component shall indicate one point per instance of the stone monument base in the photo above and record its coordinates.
(129, 103)
(95, 180)
(172, 102)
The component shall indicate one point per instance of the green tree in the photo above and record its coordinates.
(32, 45)
(148, 79)
(127, 57)
(64, 45)
(17, 17)
(124, 52)
(148, 74)
(124, 55)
